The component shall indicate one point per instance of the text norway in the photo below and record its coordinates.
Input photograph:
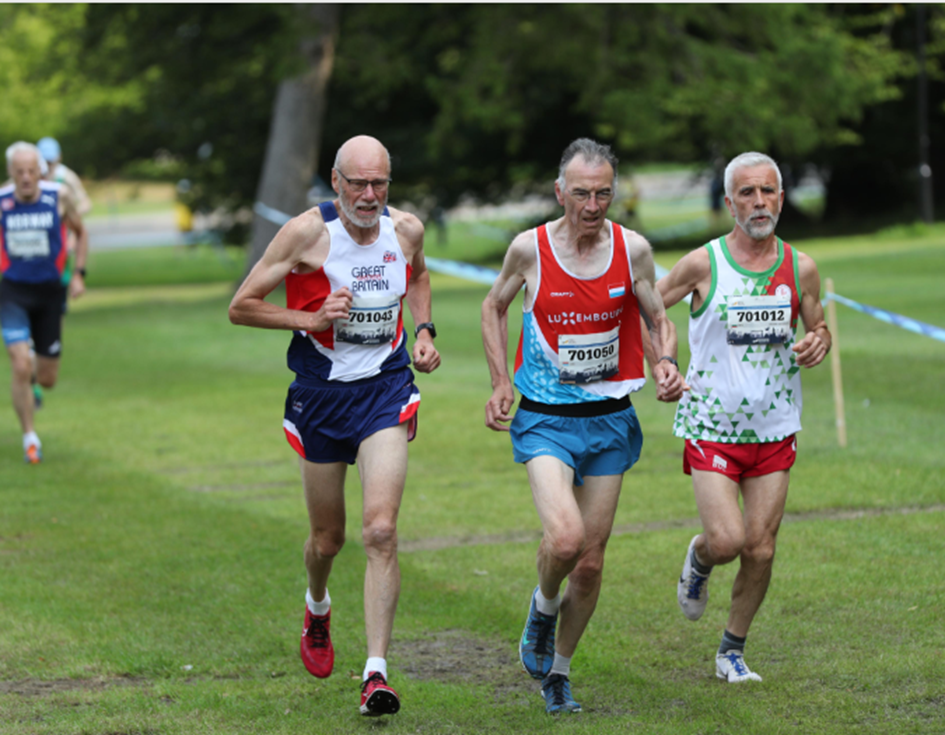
(29, 221)
(572, 318)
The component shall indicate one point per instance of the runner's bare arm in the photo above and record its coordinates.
(74, 222)
(692, 274)
(295, 244)
(811, 350)
(659, 328)
(519, 260)
(409, 229)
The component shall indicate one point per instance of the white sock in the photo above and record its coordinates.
(546, 606)
(375, 664)
(30, 438)
(318, 608)
(561, 665)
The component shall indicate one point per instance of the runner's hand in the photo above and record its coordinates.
(337, 305)
(425, 356)
(811, 350)
(669, 382)
(76, 285)
(498, 407)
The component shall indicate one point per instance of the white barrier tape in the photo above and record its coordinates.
(897, 320)
(273, 215)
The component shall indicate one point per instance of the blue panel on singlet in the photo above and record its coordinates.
(31, 236)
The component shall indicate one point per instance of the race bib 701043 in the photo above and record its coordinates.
(371, 321)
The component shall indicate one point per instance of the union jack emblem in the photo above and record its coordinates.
(6, 203)
(389, 257)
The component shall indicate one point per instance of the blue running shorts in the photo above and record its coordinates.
(326, 421)
(591, 445)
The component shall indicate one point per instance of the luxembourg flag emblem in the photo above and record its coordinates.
(616, 290)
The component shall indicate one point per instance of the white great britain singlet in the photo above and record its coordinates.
(371, 340)
(745, 385)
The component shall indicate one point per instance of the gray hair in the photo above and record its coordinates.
(748, 160)
(591, 151)
(22, 145)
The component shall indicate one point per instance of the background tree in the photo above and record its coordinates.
(292, 151)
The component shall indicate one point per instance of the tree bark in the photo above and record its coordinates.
(296, 129)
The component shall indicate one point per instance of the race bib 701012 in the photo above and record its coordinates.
(759, 320)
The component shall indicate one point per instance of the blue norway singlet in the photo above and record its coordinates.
(32, 236)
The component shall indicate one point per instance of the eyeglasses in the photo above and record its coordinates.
(359, 185)
(582, 195)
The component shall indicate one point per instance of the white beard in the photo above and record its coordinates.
(358, 220)
(759, 229)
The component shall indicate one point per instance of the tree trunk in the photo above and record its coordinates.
(296, 129)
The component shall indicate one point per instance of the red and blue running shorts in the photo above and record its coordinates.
(327, 421)
(738, 461)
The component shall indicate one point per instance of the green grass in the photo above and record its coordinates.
(151, 576)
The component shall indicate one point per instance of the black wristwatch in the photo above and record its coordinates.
(428, 326)
(81, 272)
(668, 359)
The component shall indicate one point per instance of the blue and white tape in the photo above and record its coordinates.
(273, 215)
(897, 320)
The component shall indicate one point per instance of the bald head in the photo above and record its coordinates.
(362, 150)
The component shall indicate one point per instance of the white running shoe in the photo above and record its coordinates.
(693, 588)
(731, 667)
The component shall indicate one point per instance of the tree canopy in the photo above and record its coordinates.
(475, 98)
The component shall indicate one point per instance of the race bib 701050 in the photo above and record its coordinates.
(586, 358)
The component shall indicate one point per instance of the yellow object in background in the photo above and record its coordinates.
(184, 217)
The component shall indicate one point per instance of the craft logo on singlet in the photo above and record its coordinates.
(369, 278)
(7, 204)
(567, 294)
(566, 318)
(47, 199)
(30, 221)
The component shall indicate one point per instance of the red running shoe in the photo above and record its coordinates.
(377, 698)
(318, 654)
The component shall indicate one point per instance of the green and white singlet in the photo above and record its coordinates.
(745, 385)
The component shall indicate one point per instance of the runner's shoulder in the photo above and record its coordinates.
(406, 224)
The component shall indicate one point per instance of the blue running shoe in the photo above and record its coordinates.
(692, 591)
(731, 667)
(556, 689)
(537, 647)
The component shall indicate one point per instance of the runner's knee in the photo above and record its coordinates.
(326, 544)
(565, 545)
(588, 573)
(759, 553)
(22, 368)
(725, 546)
(380, 534)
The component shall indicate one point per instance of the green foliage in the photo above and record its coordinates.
(509, 85)
(44, 89)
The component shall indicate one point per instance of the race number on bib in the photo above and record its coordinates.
(759, 320)
(586, 358)
(371, 321)
(28, 243)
